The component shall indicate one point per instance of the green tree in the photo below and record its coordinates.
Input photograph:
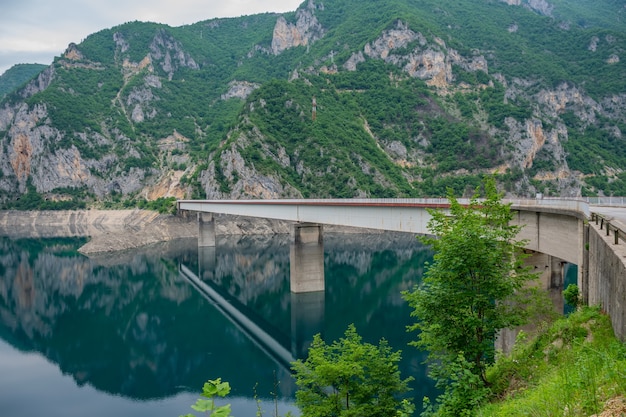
(351, 378)
(472, 290)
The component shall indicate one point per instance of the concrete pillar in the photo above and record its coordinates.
(583, 270)
(551, 273)
(206, 229)
(306, 258)
(551, 277)
(307, 320)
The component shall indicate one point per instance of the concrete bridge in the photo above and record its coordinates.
(571, 231)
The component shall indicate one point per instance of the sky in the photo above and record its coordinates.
(35, 31)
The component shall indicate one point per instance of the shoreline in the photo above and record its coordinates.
(118, 230)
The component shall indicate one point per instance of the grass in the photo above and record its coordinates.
(571, 369)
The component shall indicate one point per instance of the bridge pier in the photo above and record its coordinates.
(306, 258)
(206, 229)
(551, 271)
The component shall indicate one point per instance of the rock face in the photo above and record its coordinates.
(305, 31)
(239, 89)
(430, 61)
(170, 53)
(248, 182)
(179, 121)
(540, 6)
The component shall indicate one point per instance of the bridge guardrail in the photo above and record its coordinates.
(619, 231)
(606, 201)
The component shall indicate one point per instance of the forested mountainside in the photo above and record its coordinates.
(17, 76)
(341, 98)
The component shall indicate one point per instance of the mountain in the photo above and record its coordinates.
(341, 98)
(18, 75)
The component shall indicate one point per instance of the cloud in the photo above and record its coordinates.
(38, 30)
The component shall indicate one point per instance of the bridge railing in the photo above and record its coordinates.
(618, 229)
(606, 201)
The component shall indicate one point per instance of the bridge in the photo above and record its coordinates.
(573, 231)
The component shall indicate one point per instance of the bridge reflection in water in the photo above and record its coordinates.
(247, 280)
(307, 311)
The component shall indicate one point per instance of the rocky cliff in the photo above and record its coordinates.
(337, 99)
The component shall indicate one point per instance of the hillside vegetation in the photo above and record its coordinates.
(411, 97)
(573, 368)
(18, 75)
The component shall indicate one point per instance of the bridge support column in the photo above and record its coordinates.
(306, 258)
(583, 270)
(551, 273)
(206, 229)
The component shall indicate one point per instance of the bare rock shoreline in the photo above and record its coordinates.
(116, 230)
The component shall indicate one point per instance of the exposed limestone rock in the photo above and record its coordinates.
(239, 89)
(137, 114)
(39, 84)
(399, 37)
(397, 151)
(169, 52)
(531, 137)
(613, 59)
(615, 105)
(72, 53)
(245, 181)
(513, 28)
(541, 6)
(593, 44)
(121, 43)
(137, 99)
(566, 98)
(168, 185)
(133, 68)
(305, 31)
(535, 132)
(22, 154)
(26, 136)
(353, 61)
(429, 62)
(430, 65)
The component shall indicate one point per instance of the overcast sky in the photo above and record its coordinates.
(35, 31)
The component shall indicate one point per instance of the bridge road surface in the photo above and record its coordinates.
(611, 212)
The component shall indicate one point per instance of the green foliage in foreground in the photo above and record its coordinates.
(571, 369)
(473, 289)
(210, 390)
(351, 378)
(343, 379)
(572, 295)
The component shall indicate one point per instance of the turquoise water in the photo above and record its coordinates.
(127, 334)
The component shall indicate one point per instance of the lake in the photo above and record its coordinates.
(128, 334)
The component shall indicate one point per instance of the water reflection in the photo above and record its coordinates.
(130, 325)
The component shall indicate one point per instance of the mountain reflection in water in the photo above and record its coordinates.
(129, 325)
